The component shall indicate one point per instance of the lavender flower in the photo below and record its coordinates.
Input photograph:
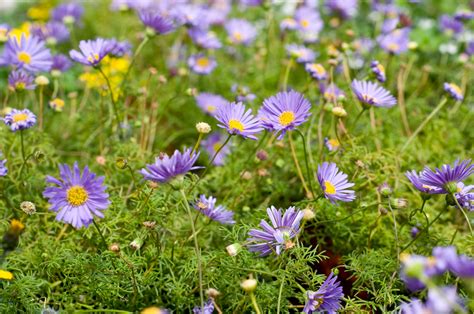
(284, 112)
(29, 53)
(3, 167)
(237, 120)
(464, 196)
(327, 299)
(68, 13)
(300, 53)
(119, 48)
(464, 15)
(243, 93)
(371, 94)
(19, 80)
(415, 306)
(396, 41)
(463, 266)
(331, 92)
(207, 206)
(240, 32)
(155, 22)
(334, 183)
(209, 103)
(443, 299)
(192, 15)
(332, 144)
(308, 22)
(316, 71)
(277, 237)
(166, 168)
(414, 178)
(454, 91)
(450, 24)
(204, 38)
(447, 177)
(345, 8)
(78, 196)
(208, 308)
(52, 33)
(92, 51)
(378, 70)
(61, 63)
(212, 144)
(201, 64)
(20, 119)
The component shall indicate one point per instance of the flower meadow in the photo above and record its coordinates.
(175, 156)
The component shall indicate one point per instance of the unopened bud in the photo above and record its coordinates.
(28, 208)
(42, 80)
(249, 285)
(136, 244)
(203, 127)
(339, 112)
(100, 160)
(114, 247)
(262, 155)
(247, 175)
(262, 172)
(308, 214)
(399, 203)
(191, 91)
(233, 249)
(385, 189)
(121, 163)
(212, 293)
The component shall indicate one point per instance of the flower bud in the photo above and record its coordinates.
(233, 249)
(136, 244)
(328, 106)
(203, 127)
(150, 32)
(339, 112)
(149, 224)
(212, 293)
(28, 208)
(451, 187)
(308, 214)
(414, 232)
(385, 189)
(262, 155)
(114, 247)
(191, 91)
(100, 160)
(247, 175)
(42, 80)
(121, 163)
(249, 285)
(399, 203)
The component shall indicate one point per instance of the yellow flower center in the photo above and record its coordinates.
(217, 146)
(202, 62)
(369, 99)
(93, 57)
(286, 118)
(381, 68)
(24, 57)
(211, 108)
(6, 275)
(456, 88)
(334, 143)
(20, 86)
(237, 36)
(318, 68)
(329, 188)
(77, 195)
(304, 23)
(20, 117)
(236, 125)
(201, 205)
(393, 47)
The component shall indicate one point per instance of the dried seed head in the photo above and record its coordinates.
(28, 207)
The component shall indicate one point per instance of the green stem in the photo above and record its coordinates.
(425, 229)
(308, 168)
(112, 98)
(395, 229)
(197, 142)
(358, 117)
(280, 292)
(104, 243)
(23, 155)
(287, 73)
(196, 247)
(297, 165)
(254, 303)
(424, 123)
(464, 213)
(41, 109)
(135, 55)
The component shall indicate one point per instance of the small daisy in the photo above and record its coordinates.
(414, 178)
(78, 196)
(240, 32)
(464, 196)
(19, 80)
(284, 112)
(332, 144)
(334, 183)
(237, 120)
(155, 22)
(326, 299)
(212, 144)
(209, 103)
(20, 119)
(28, 53)
(316, 71)
(201, 64)
(396, 41)
(454, 91)
(378, 70)
(207, 206)
(300, 53)
(447, 177)
(92, 51)
(371, 94)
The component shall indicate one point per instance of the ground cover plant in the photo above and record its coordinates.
(163, 156)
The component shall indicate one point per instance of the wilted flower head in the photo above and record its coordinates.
(238, 120)
(300, 53)
(166, 168)
(447, 177)
(201, 64)
(78, 195)
(240, 31)
(28, 53)
(19, 80)
(207, 206)
(396, 41)
(454, 91)
(326, 299)
(20, 119)
(316, 71)
(276, 237)
(284, 112)
(379, 70)
(212, 144)
(156, 22)
(92, 51)
(334, 183)
(68, 13)
(209, 103)
(371, 94)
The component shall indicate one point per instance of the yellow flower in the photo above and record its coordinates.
(39, 12)
(16, 33)
(16, 226)
(57, 104)
(6, 275)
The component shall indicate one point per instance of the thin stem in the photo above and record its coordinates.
(425, 229)
(196, 247)
(394, 228)
(23, 155)
(287, 73)
(104, 243)
(197, 142)
(337, 133)
(254, 303)
(464, 214)
(424, 123)
(308, 168)
(297, 164)
(41, 109)
(112, 98)
(280, 292)
(135, 55)
(358, 117)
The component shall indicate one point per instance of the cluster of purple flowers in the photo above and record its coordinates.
(3, 167)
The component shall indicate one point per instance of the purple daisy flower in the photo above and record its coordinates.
(463, 266)
(20, 119)
(316, 71)
(414, 178)
(212, 144)
(371, 94)
(237, 120)
(378, 70)
(464, 196)
(389, 24)
(308, 23)
(166, 168)
(447, 177)
(61, 63)
(119, 48)
(288, 23)
(156, 22)
(52, 33)
(78, 196)
(19, 80)
(204, 38)
(240, 32)
(208, 308)
(209, 103)
(396, 41)
(345, 8)
(331, 92)
(201, 64)
(300, 53)
(332, 144)
(68, 13)
(29, 53)
(284, 112)
(3, 167)
(277, 237)
(92, 51)
(334, 183)
(443, 299)
(415, 306)
(454, 91)
(327, 299)
(464, 15)
(450, 25)
(191, 15)
(243, 93)
(207, 206)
